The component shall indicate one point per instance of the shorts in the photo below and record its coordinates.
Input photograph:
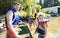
(11, 35)
(33, 18)
(41, 32)
(30, 20)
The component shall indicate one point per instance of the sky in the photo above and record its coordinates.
(38, 1)
(59, 0)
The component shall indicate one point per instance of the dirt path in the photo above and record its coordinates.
(54, 28)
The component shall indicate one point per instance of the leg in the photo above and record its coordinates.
(34, 23)
(30, 26)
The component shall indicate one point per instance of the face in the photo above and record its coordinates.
(41, 18)
(16, 6)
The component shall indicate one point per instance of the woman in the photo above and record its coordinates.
(11, 20)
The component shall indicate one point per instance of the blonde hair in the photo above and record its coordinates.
(33, 10)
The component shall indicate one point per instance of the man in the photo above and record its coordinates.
(12, 19)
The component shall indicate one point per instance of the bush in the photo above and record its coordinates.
(5, 5)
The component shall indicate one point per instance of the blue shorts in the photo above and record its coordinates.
(30, 20)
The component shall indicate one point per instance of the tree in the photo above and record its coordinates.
(5, 4)
(48, 3)
(26, 5)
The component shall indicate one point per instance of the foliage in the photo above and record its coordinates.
(58, 3)
(37, 7)
(26, 6)
(22, 13)
(49, 3)
(4, 5)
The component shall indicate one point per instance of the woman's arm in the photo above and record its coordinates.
(9, 16)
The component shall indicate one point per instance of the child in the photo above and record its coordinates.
(42, 26)
(32, 19)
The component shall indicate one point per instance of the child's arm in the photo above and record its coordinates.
(47, 20)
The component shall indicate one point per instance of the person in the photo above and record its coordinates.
(12, 20)
(42, 26)
(32, 19)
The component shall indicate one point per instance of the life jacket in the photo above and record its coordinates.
(42, 26)
(15, 17)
